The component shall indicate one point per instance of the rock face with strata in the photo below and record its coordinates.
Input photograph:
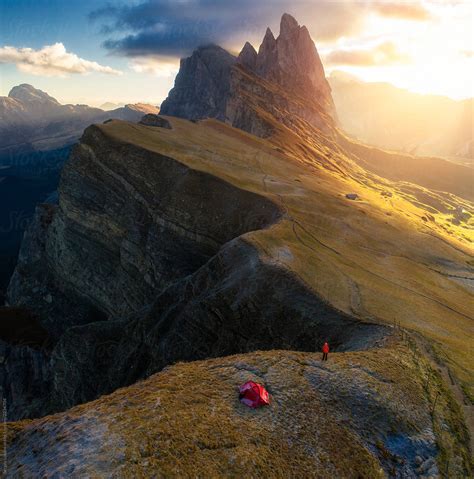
(120, 236)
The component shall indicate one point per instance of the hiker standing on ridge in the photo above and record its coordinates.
(325, 351)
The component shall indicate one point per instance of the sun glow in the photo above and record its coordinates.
(434, 56)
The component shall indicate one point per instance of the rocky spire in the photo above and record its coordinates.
(248, 56)
(287, 25)
(293, 62)
(267, 55)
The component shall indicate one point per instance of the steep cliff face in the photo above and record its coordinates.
(284, 79)
(201, 86)
(118, 237)
(35, 287)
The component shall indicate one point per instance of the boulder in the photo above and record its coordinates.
(352, 196)
(155, 120)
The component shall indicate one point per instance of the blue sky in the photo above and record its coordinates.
(96, 51)
(34, 24)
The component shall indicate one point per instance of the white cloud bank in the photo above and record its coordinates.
(51, 60)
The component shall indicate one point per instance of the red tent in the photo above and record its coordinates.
(253, 395)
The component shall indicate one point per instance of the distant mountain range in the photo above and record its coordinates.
(32, 120)
(386, 116)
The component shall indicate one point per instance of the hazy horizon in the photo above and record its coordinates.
(136, 99)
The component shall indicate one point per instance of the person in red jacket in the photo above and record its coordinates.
(325, 351)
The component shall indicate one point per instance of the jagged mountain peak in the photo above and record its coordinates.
(269, 37)
(210, 86)
(248, 56)
(268, 43)
(294, 62)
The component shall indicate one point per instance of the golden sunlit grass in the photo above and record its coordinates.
(377, 258)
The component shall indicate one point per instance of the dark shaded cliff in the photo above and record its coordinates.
(202, 85)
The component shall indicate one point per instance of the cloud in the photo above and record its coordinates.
(175, 28)
(155, 65)
(51, 60)
(382, 54)
(402, 10)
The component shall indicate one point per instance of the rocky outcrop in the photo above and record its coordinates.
(154, 120)
(201, 86)
(284, 79)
